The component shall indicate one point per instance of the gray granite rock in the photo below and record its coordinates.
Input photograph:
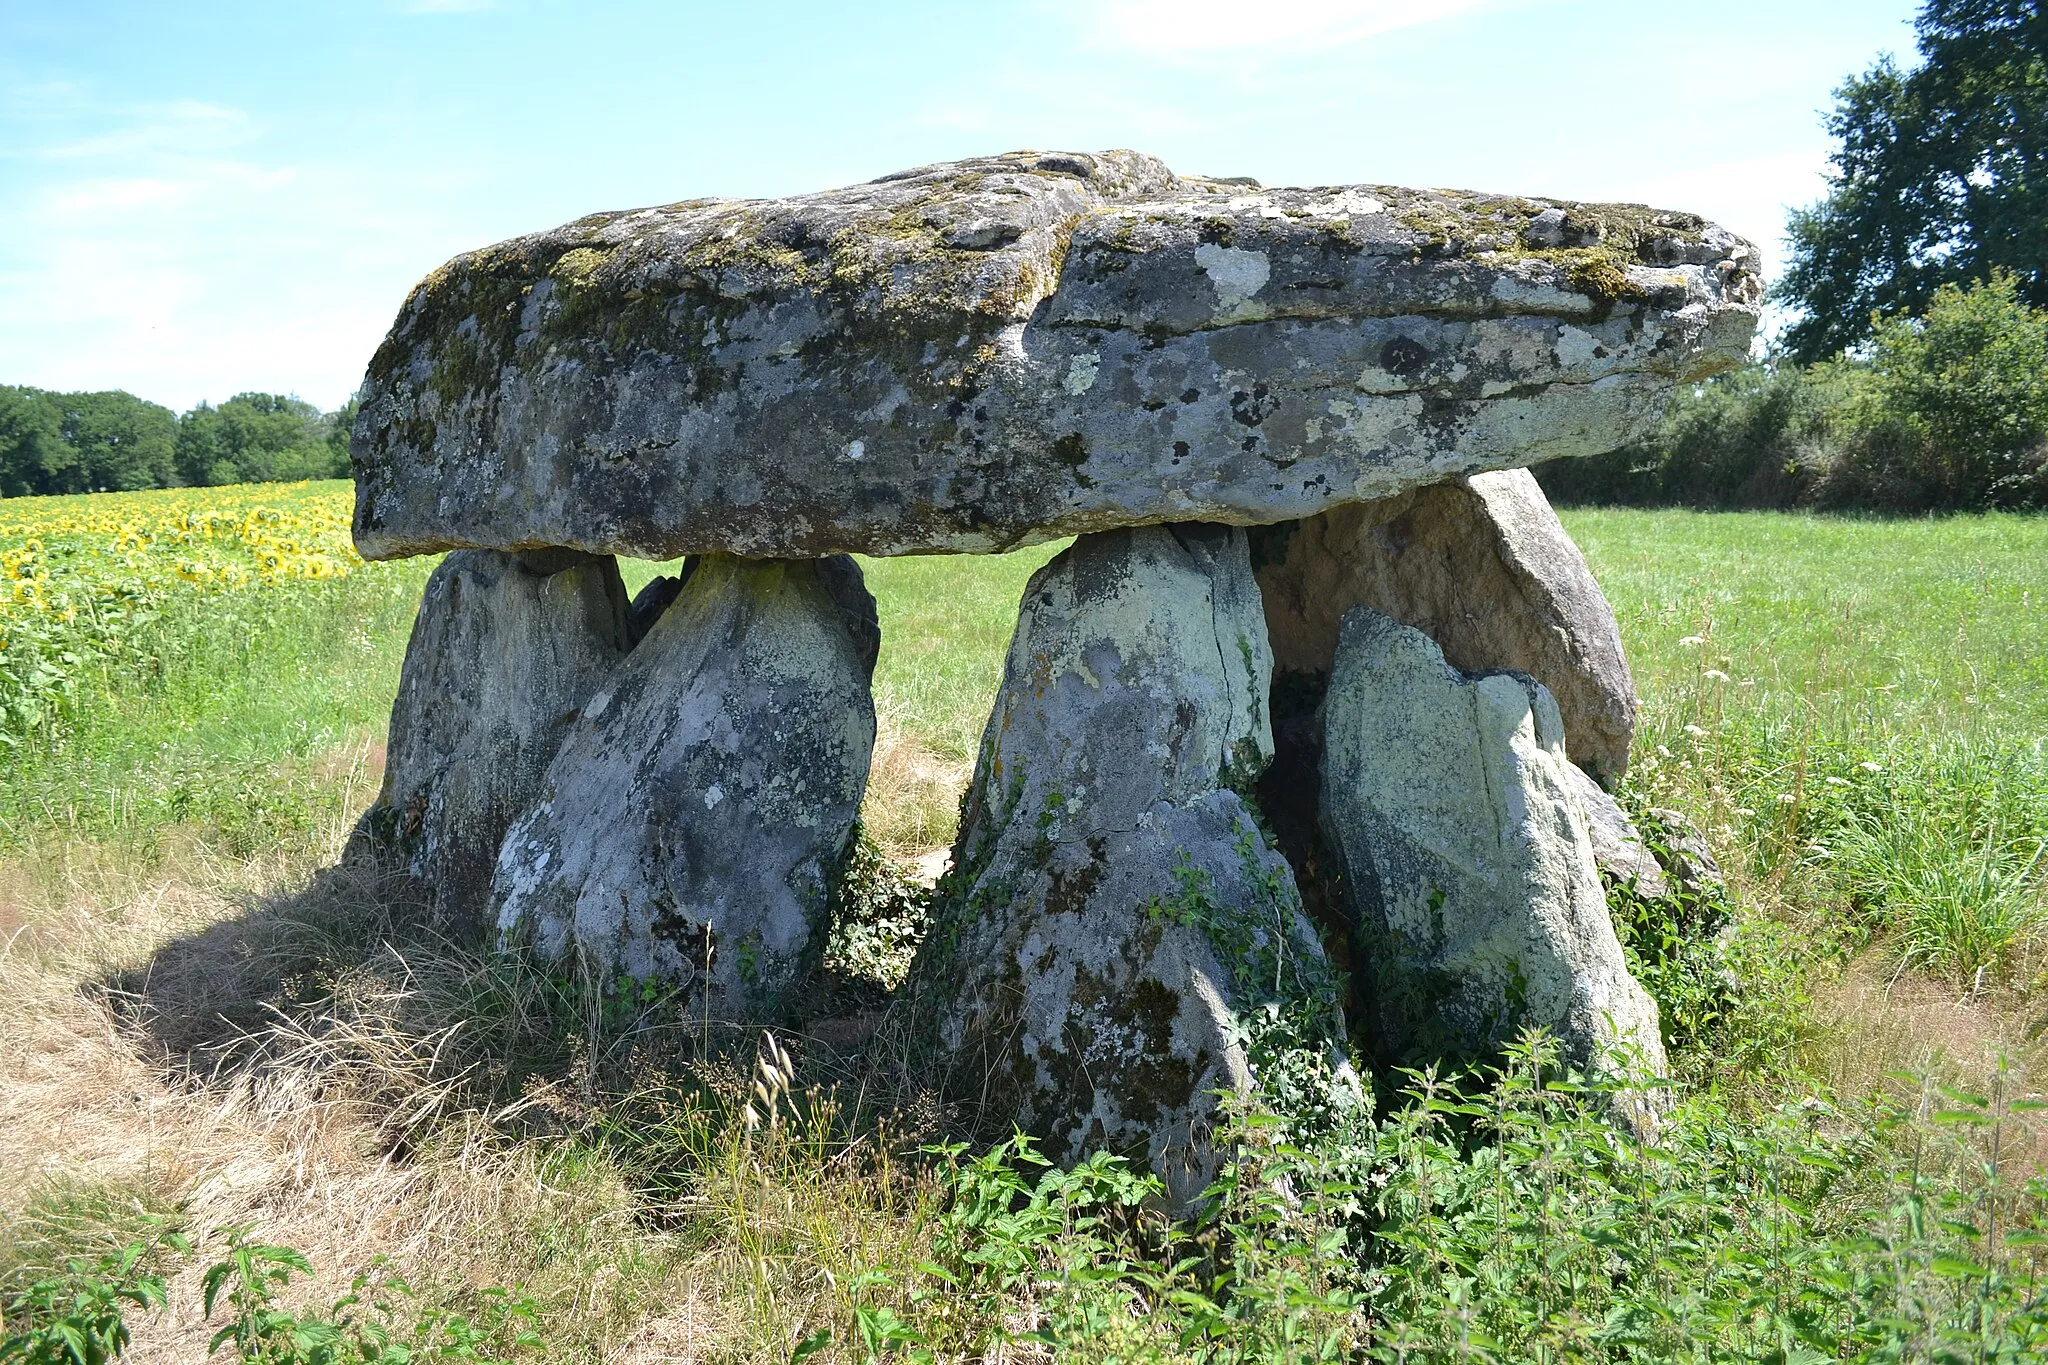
(503, 656)
(1618, 847)
(1484, 568)
(1467, 859)
(1115, 924)
(986, 353)
(694, 823)
(1686, 857)
(1677, 861)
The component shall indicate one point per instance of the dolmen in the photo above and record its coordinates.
(1302, 746)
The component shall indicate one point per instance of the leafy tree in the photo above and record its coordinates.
(340, 423)
(33, 452)
(1955, 410)
(1941, 177)
(119, 441)
(253, 438)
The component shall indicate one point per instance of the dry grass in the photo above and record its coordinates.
(1879, 1025)
(913, 799)
(259, 1045)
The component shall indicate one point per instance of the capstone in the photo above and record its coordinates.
(982, 354)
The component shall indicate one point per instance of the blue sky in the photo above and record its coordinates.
(198, 199)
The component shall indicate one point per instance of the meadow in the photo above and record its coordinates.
(214, 1044)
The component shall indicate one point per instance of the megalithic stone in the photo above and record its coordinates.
(504, 652)
(1115, 925)
(1484, 568)
(694, 825)
(1009, 349)
(1466, 860)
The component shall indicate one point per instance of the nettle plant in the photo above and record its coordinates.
(1500, 1217)
(79, 1316)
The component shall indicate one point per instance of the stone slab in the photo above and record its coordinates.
(982, 354)
(1484, 568)
(1468, 860)
(1115, 927)
(504, 653)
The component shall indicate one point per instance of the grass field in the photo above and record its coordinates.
(200, 1029)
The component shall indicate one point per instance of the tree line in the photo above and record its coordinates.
(1914, 374)
(113, 442)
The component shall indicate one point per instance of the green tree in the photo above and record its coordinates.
(33, 453)
(1954, 412)
(340, 423)
(121, 442)
(1941, 177)
(254, 438)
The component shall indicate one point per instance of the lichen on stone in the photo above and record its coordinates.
(885, 368)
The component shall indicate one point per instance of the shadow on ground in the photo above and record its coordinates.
(344, 991)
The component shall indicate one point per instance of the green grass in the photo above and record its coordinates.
(946, 622)
(1871, 630)
(1856, 712)
(236, 732)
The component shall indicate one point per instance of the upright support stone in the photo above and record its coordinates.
(694, 825)
(1466, 860)
(1484, 568)
(1115, 920)
(505, 650)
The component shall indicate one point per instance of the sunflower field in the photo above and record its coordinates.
(96, 590)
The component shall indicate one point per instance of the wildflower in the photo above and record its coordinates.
(1696, 732)
(1744, 811)
(1786, 798)
(1870, 767)
(1716, 674)
(1692, 641)
(1838, 781)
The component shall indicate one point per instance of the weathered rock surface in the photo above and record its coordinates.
(1681, 861)
(973, 356)
(1618, 847)
(1114, 915)
(503, 655)
(1467, 859)
(695, 820)
(1484, 568)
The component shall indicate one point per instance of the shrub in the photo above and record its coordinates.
(1945, 412)
(78, 1317)
(1954, 411)
(1757, 437)
(1499, 1217)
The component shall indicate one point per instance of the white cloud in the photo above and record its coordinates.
(1222, 27)
(158, 252)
